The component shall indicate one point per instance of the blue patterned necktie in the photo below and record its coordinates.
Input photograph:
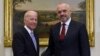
(33, 39)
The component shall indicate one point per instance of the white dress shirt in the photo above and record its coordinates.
(66, 25)
(31, 33)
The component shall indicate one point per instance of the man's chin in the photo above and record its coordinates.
(64, 19)
(32, 28)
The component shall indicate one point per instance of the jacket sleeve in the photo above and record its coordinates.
(84, 41)
(18, 45)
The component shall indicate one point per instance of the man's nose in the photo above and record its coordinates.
(62, 13)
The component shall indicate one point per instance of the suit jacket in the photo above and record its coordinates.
(22, 44)
(75, 43)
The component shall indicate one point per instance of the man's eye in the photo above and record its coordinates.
(64, 10)
(59, 11)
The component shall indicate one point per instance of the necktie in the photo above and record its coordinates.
(62, 35)
(33, 39)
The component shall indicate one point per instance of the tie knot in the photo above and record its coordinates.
(31, 32)
(63, 24)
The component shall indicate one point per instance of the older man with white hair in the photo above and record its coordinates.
(25, 42)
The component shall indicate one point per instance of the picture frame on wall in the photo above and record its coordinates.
(82, 11)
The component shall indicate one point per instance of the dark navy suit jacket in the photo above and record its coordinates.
(22, 44)
(75, 43)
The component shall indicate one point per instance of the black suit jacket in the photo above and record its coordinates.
(75, 43)
(22, 44)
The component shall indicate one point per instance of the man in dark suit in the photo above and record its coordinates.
(25, 41)
(68, 37)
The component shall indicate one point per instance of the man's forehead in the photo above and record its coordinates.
(63, 6)
(30, 13)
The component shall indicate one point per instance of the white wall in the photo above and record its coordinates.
(94, 51)
(1, 28)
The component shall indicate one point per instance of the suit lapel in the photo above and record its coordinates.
(57, 31)
(29, 38)
(37, 41)
(70, 29)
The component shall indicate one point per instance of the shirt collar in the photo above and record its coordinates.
(29, 31)
(67, 22)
